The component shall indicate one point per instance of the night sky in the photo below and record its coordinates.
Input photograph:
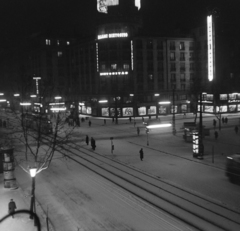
(21, 18)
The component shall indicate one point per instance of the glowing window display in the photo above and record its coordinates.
(238, 108)
(105, 111)
(221, 108)
(112, 112)
(223, 97)
(208, 108)
(162, 110)
(184, 108)
(232, 108)
(89, 110)
(84, 109)
(142, 111)
(127, 111)
(152, 110)
(175, 108)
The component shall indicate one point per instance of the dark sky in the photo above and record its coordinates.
(19, 18)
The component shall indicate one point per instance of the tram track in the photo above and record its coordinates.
(187, 206)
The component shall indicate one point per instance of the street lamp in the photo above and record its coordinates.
(33, 172)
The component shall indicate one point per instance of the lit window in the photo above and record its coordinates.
(125, 66)
(114, 66)
(59, 53)
(181, 46)
(172, 56)
(48, 42)
(68, 43)
(58, 43)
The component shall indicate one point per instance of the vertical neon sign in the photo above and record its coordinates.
(132, 54)
(97, 57)
(210, 39)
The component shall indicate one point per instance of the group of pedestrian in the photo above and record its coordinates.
(93, 142)
(224, 120)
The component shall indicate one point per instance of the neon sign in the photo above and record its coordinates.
(132, 54)
(114, 73)
(97, 57)
(113, 35)
(210, 39)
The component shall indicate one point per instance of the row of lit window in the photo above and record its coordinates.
(115, 66)
(49, 42)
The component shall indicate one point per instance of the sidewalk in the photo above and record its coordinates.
(21, 222)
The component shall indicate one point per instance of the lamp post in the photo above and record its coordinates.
(173, 112)
(147, 131)
(33, 172)
(112, 146)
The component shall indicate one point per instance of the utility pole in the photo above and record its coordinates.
(173, 112)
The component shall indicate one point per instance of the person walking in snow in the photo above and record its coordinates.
(87, 139)
(216, 135)
(138, 131)
(11, 208)
(236, 129)
(141, 154)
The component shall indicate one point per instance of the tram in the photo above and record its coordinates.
(37, 122)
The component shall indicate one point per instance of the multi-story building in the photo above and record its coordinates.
(120, 70)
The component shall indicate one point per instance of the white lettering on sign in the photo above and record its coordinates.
(210, 47)
(113, 35)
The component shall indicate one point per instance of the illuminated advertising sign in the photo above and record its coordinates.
(89, 110)
(223, 97)
(105, 111)
(175, 109)
(210, 39)
(208, 108)
(232, 108)
(221, 108)
(152, 110)
(162, 109)
(238, 108)
(102, 5)
(113, 35)
(114, 73)
(84, 109)
(195, 143)
(127, 111)
(142, 111)
(132, 54)
(112, 112)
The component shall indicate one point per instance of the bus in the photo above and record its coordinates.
(36, 122)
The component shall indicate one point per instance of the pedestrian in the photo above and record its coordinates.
(223, 120)
(134, 123)
(216, 135)
(138, 130)
(236, 129)
(93, 143)
(89, 123)
(226, 120)
(104, 121)
(11, 207)
(87, 139)
(141, 154)
(130, 119)
(214, 123)
(112, 119)
(142, 119)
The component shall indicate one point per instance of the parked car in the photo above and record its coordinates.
(233, 167)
